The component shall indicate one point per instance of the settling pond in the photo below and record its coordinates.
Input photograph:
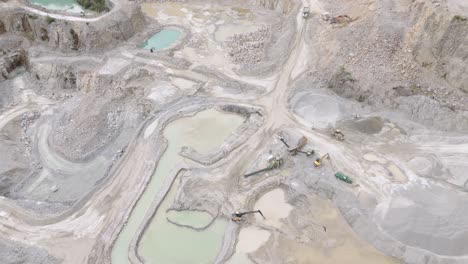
(162, 40)
(162, 241)
(71, 6)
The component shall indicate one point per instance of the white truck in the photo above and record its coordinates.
(305, 12)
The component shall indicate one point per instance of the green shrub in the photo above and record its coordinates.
(95, 5)
(50, 20)
(32, 16)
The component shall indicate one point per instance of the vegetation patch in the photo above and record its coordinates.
(50, 20)
(460, 18)
(94, 5)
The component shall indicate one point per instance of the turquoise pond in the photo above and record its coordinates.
(63, 5)
(162, 40)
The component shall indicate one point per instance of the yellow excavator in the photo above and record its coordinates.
(318, 161)
(237, 216)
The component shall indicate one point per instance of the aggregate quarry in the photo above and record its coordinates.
(125, 134)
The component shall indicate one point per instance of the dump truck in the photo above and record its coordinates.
(341, 176)
(305, 12)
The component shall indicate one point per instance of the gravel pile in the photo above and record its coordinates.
(14, 253)
(27, 119)
(86, 129)
(78, 138)
(248, 48)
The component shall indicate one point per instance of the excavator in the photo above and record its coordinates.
(318, 161)
(237, 216)
(274, 164)
(298, 149)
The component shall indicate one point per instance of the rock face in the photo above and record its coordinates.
(73, 35)
(11, 61)
(2, 27)
(441, 43)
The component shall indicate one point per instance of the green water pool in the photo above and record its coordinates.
(164, 242)
(71, 6)
(162, 40)
(193, 219)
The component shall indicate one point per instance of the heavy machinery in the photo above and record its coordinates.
(237, 216)
(341, 176)
(298, 149)
(318, 161)
(275, 162)
(338, 134)
(305, 12)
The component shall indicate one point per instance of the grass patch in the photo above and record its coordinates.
(94, 5)
(50, 20)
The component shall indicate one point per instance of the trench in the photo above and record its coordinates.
(204, 132)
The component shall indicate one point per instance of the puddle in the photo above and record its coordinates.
(195, 219)
(162, 40)
(250, 239)
(71, 6)
(274, 207)
(204, 132)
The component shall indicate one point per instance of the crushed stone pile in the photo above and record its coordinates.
(248, 48)
(83, 131)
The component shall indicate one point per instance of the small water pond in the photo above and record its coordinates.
(162, 40)
(71, 6)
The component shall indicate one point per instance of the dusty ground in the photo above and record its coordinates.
(82, 110)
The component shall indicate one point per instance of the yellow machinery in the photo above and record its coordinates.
(237, 216)
(318, 161)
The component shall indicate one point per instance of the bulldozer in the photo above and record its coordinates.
(275, 162)
(237, 216)
(318, 161)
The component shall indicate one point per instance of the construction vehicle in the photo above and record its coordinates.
(338, 134)
(298, 149)
(275, 163)
(305, 12)
(318, 161)
(237, 216)
(341, 176)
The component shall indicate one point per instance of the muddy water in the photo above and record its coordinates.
(203, 132)
(164, 242)
(193, 219)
